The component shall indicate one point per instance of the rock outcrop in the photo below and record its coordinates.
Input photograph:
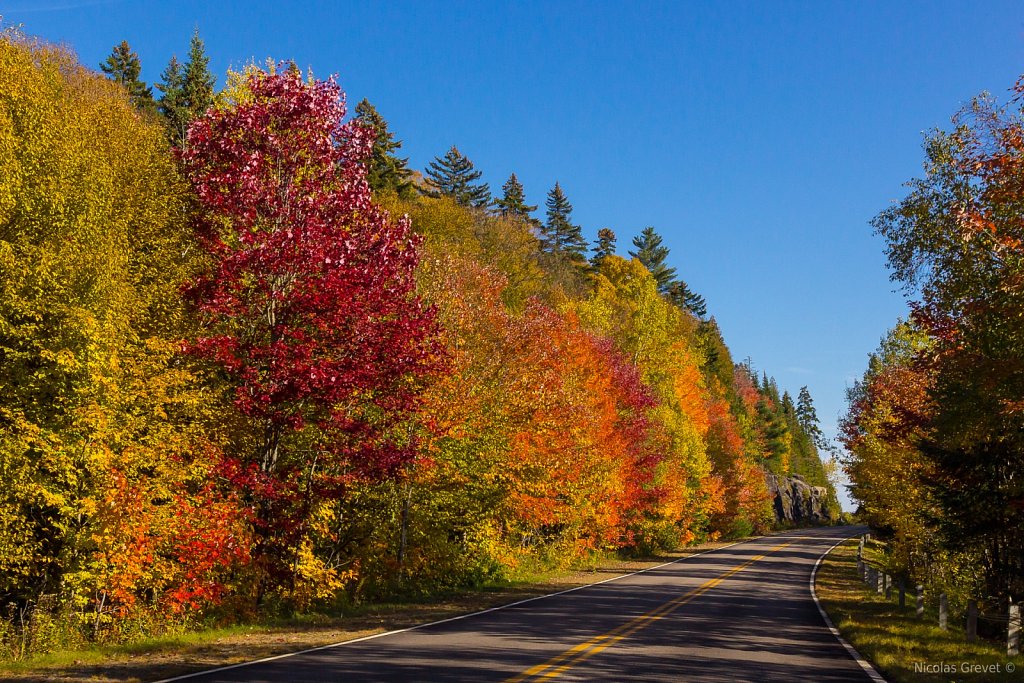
(796, 502)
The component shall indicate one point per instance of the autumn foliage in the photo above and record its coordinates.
(236, 380)
(935, 426)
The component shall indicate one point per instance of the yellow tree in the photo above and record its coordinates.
(102, 439)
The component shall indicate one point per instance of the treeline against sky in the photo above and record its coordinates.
(254, 364)
(935, 429)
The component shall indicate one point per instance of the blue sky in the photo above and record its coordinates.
(759, 138)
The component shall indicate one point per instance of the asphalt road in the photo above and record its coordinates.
(741, 613)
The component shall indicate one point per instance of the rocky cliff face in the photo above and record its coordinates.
(796, 502)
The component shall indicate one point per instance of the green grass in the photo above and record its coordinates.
(902, 646)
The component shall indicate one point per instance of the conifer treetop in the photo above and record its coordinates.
(454, 176)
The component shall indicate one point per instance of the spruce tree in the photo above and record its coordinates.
(385, 172)
(198, 81)
(123, 66)
(513, 201)
(604, 246)
(454, 176)
(172, 100)
(187, 91)
(652, 254)
(559, 235)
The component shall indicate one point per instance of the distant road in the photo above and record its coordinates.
(741, 613)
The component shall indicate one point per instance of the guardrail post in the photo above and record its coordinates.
(920, 601)
(1013, 632)
(902, 584)
(943, 611)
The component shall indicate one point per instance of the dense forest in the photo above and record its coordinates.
(935, 428)
(253, 363)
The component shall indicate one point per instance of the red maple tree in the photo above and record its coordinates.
(308, 304)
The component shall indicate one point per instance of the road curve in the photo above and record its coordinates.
(740, 613)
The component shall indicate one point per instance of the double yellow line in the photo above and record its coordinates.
(571, 657)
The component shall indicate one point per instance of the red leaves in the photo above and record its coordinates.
(308, 307)
(310, 298)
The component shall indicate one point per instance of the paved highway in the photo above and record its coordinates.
(740, 613)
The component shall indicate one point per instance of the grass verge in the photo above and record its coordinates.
(160, 658)
(904, 648)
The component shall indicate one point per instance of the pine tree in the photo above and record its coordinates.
(513, 202)
(124, 67)
(685, 298)
(187, 90)
(455, 176)
(385, 172)
(604, 246)
(652, 254)
(559, 235)
(807, 416)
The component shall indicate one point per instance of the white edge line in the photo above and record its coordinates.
(871, 671)
(464, 616)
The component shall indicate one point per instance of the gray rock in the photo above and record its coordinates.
(796, 502)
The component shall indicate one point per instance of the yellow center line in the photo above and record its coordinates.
(559, 664)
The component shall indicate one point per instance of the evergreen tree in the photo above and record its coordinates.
(385, 172)
(124, 67)
(776, 434)
(171, 106)
(652, 254)
(454, 176)
(807, 416)
(187, 90)
(604, 246)
(513, 201)
(684, 297)
(198, 81)
(717, 359)
(787, 405)
(559, 235)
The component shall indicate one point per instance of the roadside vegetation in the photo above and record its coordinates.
(935, 427)
(895, 639)
(256, 368)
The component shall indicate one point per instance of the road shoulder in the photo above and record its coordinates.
(171, 657)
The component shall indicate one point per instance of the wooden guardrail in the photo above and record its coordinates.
(874, 576)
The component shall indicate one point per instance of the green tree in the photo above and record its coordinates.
(123, 66)
(172, 100)
(717, 358)
(604, 246)
(187, 90)
(560, 235)
(454, 175)
(385, 171)
(807, 416)
(685, 298)
(513, 201)
(651, 253)
(198, 81)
